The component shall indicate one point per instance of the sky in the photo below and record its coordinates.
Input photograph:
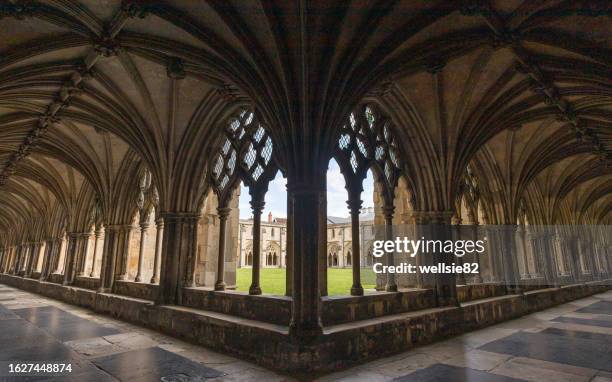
(276, 198)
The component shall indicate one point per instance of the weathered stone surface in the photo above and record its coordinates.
(341, 345)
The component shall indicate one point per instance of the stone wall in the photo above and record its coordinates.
(340, 346)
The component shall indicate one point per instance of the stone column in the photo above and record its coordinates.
(223, 213)
(33, 260)
(3, 256)
(494, 252)
(423, 229)
(308, 239)
(158, 248)
(47, 260)
(456, 234)
(109, 257)
(125, 235)
(179, 245)
(388, 210)
(23, 255)
(257, 205)
(446, 286)
(354, 204)
(28, 263)
(97, 237)
(189, 269)
(143, 237)
(472, 228)
(289, 248)
(509, 259)
(82, 251)
(77, 249)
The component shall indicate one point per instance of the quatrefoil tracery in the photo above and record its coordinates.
(246, 154)
(366, 141)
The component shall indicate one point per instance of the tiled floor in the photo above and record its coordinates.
(571, 342)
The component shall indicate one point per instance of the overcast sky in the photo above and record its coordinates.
(276, 198)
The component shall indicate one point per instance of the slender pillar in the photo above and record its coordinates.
(388, 210)
(257, 205)
(97, 237)
(307, 200)
(354, 204)
(143, 237)
(223, 214)
(158, 248)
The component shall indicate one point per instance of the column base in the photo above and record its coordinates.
(220, 286)
(391, 288)
(357, 290)
(255, 290)
(138, 279)
(154, 280)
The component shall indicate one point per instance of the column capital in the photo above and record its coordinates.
(257, 206)
(354, 204)
(224, 212)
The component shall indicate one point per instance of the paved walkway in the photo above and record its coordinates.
(571, 342)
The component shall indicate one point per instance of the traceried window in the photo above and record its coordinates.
(245, 154)
(367, 142)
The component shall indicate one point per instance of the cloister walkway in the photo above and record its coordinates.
(570, 342)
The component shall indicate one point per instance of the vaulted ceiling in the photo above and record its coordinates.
(93, 91)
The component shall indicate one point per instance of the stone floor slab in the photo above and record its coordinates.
(443, 373)
(549, 347)
(153, 364)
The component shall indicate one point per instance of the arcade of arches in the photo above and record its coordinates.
(127, 126)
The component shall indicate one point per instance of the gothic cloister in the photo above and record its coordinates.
(127, 126)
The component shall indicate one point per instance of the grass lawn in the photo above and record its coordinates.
(339, 280)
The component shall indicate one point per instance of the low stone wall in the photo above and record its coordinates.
(340, 346)
(56, 278)
(87, 282)
(473, 292)
(341, 309)
(353, 343)
(142, 291)
(272, 309)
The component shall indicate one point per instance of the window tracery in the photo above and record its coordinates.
(367, 142)
(246, 154)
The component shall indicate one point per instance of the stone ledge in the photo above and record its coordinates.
(340, 346)
(144, 291)
(266, 308)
